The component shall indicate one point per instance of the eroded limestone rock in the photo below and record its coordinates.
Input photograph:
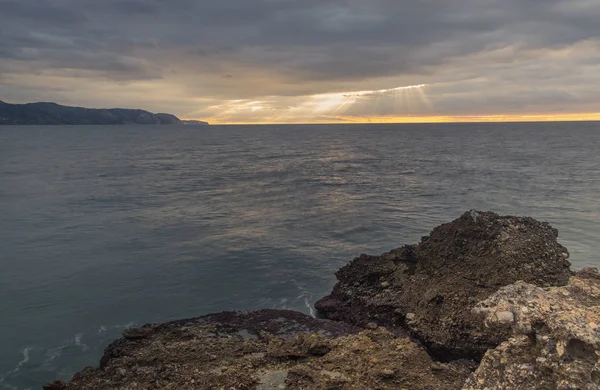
(556, 336)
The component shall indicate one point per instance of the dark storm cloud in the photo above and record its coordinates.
(40, 12)
(239, 49)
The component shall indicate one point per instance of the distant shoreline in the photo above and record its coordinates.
(56, 114)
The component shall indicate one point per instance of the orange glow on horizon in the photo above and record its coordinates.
(574, 117)
(334, 108)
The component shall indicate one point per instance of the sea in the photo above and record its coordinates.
(105, 228)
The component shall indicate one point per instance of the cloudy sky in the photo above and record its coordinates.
(236, 61)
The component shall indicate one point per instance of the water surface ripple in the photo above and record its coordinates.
(102, 228)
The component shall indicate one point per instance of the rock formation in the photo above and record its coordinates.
(264, 350)
(429, 289)
(484, 302)
(556, 336)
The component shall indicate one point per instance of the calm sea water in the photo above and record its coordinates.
(102, 228)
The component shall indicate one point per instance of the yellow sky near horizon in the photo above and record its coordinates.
(405, 104)
(345, 107)
(582, 117)
(308, 62)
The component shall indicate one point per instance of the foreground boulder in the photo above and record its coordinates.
(431, 288)
(268, 349)
(556, 342)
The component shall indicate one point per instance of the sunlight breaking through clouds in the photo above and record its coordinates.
(405, 100)
(337, 103)
(292, 61)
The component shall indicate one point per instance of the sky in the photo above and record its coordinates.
(308, 61)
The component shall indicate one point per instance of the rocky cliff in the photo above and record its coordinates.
(429, 289)
(484, 302)
(55, 114)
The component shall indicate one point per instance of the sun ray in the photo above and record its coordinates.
(339, 103)
(424, 99)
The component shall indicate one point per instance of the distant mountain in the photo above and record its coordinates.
(55, 114)
(193, 122)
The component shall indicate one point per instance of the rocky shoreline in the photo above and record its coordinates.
(483, 302)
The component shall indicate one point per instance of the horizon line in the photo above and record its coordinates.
(535, 118)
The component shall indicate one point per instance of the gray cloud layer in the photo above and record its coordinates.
(185, 56)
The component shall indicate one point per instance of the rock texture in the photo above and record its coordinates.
(265, 350)
(429, 289)
(556, 342)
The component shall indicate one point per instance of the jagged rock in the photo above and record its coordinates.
(430, 288)
(376, 359)
(137, 333)
(266, 350)
(556, 342)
